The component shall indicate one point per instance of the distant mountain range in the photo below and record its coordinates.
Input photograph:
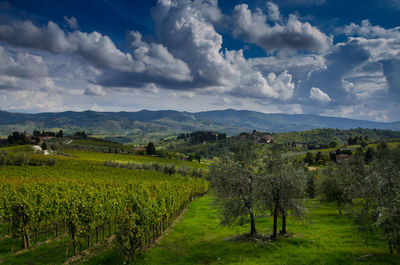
(155, 124)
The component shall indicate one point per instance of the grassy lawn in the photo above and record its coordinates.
(324, 238)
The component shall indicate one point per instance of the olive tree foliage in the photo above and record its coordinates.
(234, 181)
(371, 193)
(244, 185)
(333, 185)
(283, 188)
(384, 195)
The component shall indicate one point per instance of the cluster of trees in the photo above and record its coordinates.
(245, 186)
(313, 159)
(202, 136)
(18, 138)
(313, 145)
(319, 158)
(38, 134)
(363, 141)
(327, 136)
(151, 150)
(368, 189)
(81, 135)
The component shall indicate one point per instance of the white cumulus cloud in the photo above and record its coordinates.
(293, 34)
(319, 95)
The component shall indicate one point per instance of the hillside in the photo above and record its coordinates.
(278, 122)
(150, 125)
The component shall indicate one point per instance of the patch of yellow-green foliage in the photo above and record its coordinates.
(100, 143)
(95, 156)
(18, 148)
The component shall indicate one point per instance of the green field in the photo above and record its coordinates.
(79, 180)
(100, 143)
(94, 156)
(324, 237)
(18, 148)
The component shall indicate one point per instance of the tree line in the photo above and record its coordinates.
(20, 138)
(202, 136)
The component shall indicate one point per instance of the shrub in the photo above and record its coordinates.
(51, 161)
(3, 158)
(21, 159)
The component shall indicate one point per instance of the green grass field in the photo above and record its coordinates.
(324, 238)
(18, 148)
(94, 156)
(100, 143)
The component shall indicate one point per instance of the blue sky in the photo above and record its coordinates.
(334, 58)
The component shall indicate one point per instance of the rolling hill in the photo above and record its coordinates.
(144, 125)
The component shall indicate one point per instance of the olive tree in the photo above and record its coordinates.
(282, 188)
(234, 183)
(385, 193)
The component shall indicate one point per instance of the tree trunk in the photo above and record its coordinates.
(97, 234)
(109, 228)
(36, 234)
(45, 231)
(102, 227)
(390, 247)
(23, 242)
(9, 227)
(66, 254)
(56, 229)
(88, 240)
(28, 243)
(253, 224)
(274, 233)
(283, 231)
(338, 206)
(74, 244)
(154, 232)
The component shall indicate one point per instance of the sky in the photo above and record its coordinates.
(333, 58)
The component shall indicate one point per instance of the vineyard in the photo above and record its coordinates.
(82, 202)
